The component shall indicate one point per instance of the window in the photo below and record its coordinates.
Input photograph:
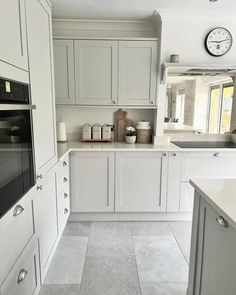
(220, 108)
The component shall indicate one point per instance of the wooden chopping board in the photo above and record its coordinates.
(121, 130)
(118, 115)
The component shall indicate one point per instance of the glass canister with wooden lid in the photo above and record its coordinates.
(144, 132)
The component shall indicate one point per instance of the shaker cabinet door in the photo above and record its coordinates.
(141, 180)
(216, 255)
(41, 80)
(64, 71)
(92, 182)
(96, 66)
(45, 207)
(13, 48)
(137, 72)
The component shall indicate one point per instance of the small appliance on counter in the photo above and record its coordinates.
(143, 132)
(61, 131)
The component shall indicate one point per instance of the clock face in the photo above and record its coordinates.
(218, 42)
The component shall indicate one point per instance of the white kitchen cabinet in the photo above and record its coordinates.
(45, 209)
(137, 72)
(17, 222)
(92, 181)
(96, 68)
(13, 49)
(24, 277)
(38, 14)
(213, 252)
(141, 181)
(64, 71)
(63, 193)
(186, 197)
(208, 164)
(173, 189)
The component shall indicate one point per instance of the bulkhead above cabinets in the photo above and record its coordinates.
(106, 72)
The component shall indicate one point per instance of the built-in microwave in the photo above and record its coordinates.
(17, 172)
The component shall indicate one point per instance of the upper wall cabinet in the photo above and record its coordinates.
(42, 82)
(137, 72)
(107, 72)
(64, 71)
(96, 72)
(13, 49)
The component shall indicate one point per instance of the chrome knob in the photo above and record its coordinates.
(22, 275)
(65, 195)
(216, 154)
(39, 176)
(66, 211)
(222, 221)
(64, 179)
(18, 210)
(39, 187)
(64, 163)
(174, 154)
(164, 154)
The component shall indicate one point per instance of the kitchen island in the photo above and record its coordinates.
(213, 246)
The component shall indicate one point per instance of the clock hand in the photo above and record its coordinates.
(219, 41)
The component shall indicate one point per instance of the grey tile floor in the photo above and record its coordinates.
(120, 258)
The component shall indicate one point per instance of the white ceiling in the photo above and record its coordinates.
(131, 9)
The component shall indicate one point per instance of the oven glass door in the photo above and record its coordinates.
(16, 157)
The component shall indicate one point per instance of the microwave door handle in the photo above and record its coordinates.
(17, 107)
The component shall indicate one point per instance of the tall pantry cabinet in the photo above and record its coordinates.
(42, 82)
(39, 33)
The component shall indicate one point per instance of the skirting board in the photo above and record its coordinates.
(130, 217)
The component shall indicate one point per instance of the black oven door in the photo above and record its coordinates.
(17, 173)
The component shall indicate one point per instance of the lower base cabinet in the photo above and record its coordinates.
(92, 182)
(141, 181)
(24, 278)
(63, 193)
(118, 181)
(186, 197)
(45, 208)
(213, 253)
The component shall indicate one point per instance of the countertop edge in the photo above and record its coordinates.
(213, 204)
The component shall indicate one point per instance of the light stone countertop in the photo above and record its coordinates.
(75, 146)
(220, 194)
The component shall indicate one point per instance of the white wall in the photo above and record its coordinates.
(184, 34)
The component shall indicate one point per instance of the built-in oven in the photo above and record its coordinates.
(17, 173)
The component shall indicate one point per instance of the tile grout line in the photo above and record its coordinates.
(178, 244)
(135, 258)
(85, 257)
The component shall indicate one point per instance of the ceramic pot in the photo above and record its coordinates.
(130, 139)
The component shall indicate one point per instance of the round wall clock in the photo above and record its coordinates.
(218, 41)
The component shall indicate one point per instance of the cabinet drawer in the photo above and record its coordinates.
(63, 213)
(215, 164)
(16, 224)
(63, 182)
(24, 276)
(63, 196)
(63, 166)
(186, 197)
